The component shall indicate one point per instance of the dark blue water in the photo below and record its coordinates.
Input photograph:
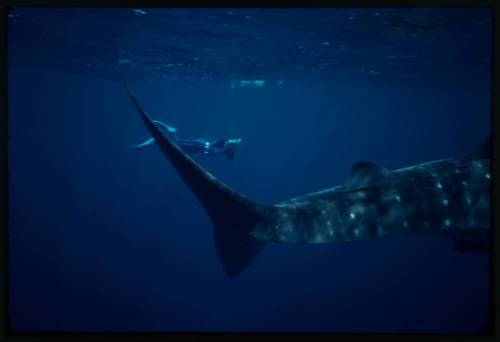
(105, 238)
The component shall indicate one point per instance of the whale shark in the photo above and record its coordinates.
(449, 197)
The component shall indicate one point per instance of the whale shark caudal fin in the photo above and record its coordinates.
(232, 214)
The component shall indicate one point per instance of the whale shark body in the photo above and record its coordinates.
(446, 197)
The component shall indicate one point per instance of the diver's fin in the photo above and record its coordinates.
(167, 127)
(146, 143)
(232, 214)
(366, 174)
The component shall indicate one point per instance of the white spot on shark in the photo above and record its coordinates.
(464, 183)
(352, 216)
(445, 202)
(380, 230)
(487, 176)
(447, 222)
(360, 195)
(439, 185)
(477, 165)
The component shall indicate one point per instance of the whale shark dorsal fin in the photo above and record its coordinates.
(366, 174)
(232, 214)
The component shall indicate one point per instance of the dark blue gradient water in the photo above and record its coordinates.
(105, 238)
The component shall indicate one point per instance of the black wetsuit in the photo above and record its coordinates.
(194, 146)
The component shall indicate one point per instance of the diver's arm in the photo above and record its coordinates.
(217, 148)
(216, 151)
(226, 146)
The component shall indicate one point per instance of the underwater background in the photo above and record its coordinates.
(106, 238)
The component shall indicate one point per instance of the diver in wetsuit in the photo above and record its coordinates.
(226, 146)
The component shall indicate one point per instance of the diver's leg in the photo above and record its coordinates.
(192, 146)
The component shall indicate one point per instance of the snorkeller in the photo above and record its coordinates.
(226, 146)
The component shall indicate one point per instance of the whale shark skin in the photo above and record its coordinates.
(449, 197)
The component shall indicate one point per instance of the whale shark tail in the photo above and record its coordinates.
(232, 214)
